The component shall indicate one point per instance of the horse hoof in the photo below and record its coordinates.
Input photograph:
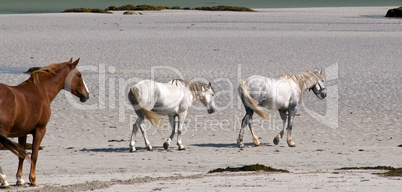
(166, 145)
(20, 182)
(133, 150)
(241, 145)
(150, 149)
(276, 141)
(292, 145)
(5, 185)
(34, 184)
(181, 148)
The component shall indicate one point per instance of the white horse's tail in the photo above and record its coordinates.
(152, 116)
(248, 101)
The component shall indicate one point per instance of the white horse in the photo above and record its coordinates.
(284, 94)
(151, 99)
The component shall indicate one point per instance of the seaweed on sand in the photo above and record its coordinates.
(392, 172)
(397, 12)
(367, 168)
(86, 10)
(254, 167)
(396, 172)
(136, 8)
(225, 8)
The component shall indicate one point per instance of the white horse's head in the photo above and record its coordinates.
(208, 98)
(319, 88)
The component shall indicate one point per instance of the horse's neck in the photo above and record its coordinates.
(303, 84)
(50, 85)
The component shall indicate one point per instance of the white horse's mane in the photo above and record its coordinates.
(196, 87)
(305, 80)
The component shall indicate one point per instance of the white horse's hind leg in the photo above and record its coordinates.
(182, 117)
(144, 134)
(133, 134)
(254, 135)
(173, 124)
(290, 125)
(280, 135)
(3, 179)
(247, 121)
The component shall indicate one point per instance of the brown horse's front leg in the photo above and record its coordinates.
(37, 139)
(22, 141)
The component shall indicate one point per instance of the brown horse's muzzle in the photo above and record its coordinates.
(84, 97)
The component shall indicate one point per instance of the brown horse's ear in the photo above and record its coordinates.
(73, 65)
(71, 60)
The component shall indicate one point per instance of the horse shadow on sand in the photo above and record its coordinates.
(160, 148)
(119, 149)
(227, 145)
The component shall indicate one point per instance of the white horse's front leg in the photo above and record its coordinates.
(3, 179)
(181, 118)
(290, 125)
(280, 135)
(173, 124)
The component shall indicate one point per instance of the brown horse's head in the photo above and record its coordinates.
(75, 83)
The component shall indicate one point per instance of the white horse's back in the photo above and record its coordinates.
(273, 93)
(164, 98)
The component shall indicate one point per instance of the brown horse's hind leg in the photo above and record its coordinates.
(22, 141)
(37, 139)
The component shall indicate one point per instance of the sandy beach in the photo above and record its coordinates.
(87, 144)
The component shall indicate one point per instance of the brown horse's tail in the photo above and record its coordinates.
(249, 102)
(14, 148)
(152, 116)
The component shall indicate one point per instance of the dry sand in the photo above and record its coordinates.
(358, 47)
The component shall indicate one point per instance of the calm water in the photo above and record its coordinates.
(51, 6)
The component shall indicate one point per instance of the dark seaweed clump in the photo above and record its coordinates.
(397, 12)
(254, 167)
(225, 8)
(136, 8)
(392, 172)
(396, 172)
(158, 8)
(375, 168)
(86, 10)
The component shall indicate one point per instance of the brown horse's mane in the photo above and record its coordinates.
(45, 71)
(195, 87)
(306, 79)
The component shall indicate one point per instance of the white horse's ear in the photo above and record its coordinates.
(209, 85)
(321, 71)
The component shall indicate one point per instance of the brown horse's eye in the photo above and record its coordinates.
(79, 74)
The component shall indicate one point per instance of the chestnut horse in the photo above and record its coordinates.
(25, 109)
